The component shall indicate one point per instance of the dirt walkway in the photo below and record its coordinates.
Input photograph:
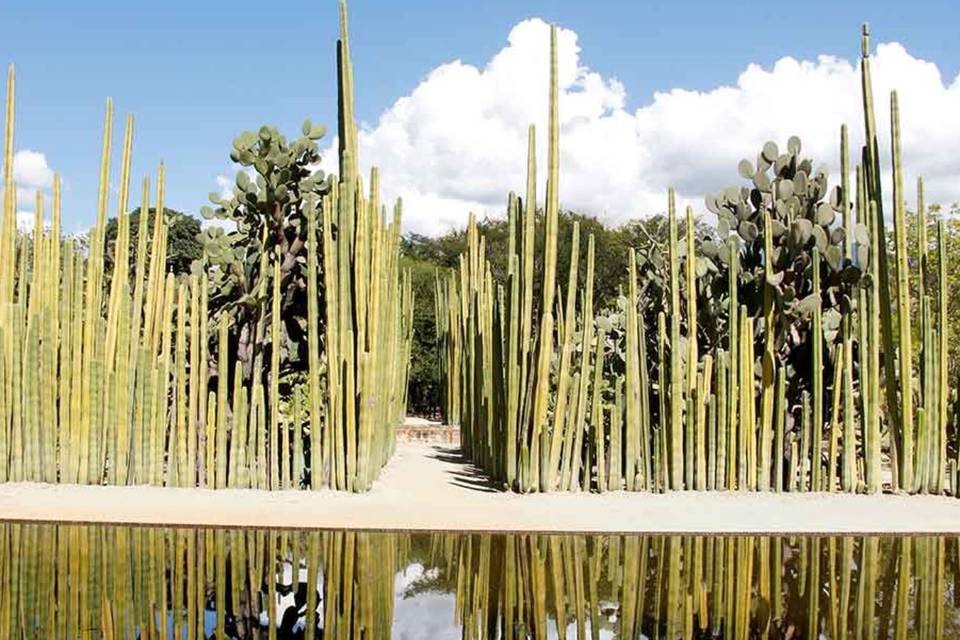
(428, 487)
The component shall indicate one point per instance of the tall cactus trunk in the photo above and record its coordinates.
(871, 155)
(901, 269)
(676, 392)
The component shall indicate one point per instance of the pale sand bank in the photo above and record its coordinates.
(426, 487)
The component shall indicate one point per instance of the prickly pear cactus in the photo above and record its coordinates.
(803, 213)
(263, 221)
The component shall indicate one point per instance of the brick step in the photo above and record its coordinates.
(429, 434)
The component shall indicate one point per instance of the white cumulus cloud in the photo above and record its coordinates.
(30, 169)
(457, 142)
(225, 185)
(31, 173)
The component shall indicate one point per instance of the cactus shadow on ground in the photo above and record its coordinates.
(467, 475)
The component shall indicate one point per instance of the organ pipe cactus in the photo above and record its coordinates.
(802, 283)
(104, 373)
(676, 374)
(534, 443)
(367, 316)
(874, 196)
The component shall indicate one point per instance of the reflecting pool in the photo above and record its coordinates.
(73, 581)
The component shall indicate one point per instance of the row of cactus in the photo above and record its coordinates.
(110, 385)
(517, 374)
(120, 378)
(748, 357)
(120, 582)
(367, 317)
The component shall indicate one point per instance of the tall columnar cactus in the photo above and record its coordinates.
(817, 388)
(875, 199)
(733, 341)
(901, 269)
(548, 319)
(943, 363)
(565, 346)
(676, 391)
(869, 352)
(103, 373)
(521, 419)
(277, 456)
(367, 317)
(768, 360)
(800, 270)
(632, 380)
(849, 474)
(8, 238)
(692, 358)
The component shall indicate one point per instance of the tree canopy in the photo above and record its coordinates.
(183, 247)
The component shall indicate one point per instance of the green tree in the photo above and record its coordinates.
(423, 381)
(183, 245)
(951, 217)
(612, 244)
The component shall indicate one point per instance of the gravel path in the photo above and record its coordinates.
(428, 487)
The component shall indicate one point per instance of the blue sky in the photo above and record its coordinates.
(197, 73)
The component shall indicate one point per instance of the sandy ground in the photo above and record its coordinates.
(428, 487)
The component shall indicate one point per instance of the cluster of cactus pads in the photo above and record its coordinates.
(778, 357)
(120, 378)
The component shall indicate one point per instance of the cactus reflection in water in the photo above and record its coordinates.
(718, 367)
(119, 582)
(65, 581)
(105, 376)
(573, 586)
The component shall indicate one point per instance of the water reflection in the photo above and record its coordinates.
(128, 582)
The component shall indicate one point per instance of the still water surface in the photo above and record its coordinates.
(60, 581)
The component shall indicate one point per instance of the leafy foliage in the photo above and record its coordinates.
(183, 245)
(951, 218)
(423, 381)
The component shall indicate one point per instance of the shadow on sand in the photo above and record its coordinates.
(465, 474)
